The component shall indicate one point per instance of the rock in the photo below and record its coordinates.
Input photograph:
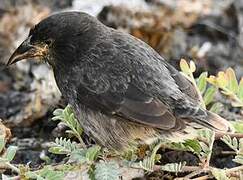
(179, 29)
(126, 173)
(27, 90)
(5, 132)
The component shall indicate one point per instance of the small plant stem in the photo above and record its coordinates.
(81, 141)
(228, 152)
(238, 168)
(219, 135)
(233, 96)
(203, 177)
(12, 167)
(184, 169)
(190, 168)
(195, 173)
(205, 164)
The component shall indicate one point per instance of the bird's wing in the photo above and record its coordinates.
(142, 108)
(183, 83)
(133, 105)
(125, 77)
(117, 81)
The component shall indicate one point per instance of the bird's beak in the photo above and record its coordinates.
(25, 51)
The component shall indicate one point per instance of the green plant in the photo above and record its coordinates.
(192, 145)
(8, 155)
(236, 145)
(206, 93)
(63, 146)
(188, 70)
(79, 154)
(227, 83)
(67, 116)
(207, 139)
(46, 173)
(148, 162)
(107, 171)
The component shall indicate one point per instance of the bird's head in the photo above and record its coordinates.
(54, 35)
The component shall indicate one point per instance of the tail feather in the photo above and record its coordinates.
(218, 122)
(215, 122)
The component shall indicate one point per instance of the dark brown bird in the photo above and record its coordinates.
(122, 91)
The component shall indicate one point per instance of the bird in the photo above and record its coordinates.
(122, 91)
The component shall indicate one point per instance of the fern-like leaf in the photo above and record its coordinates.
(92, 153)
(219, 174)
(231, 142)
(107, 171)
(149, 162)
(63, 146)
(173, 167)
(68, 118)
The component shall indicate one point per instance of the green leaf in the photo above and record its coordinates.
(192, 66)
(147, 164)
(130, 154)
(58, 112)
(58, 150)
(189, 145)
(216, 107)
(194, 145)
(240, 151)
(205, 149)
(173, 167)
(63, 146)
(231, 142)
(78, 155)
(47, 173)
(209, 95)
(227, 92)
(207, 143)
(92, 153)
(222, 80)
(219, 174)
(238, 126)
(10, 153)
(2, 143)
(149, 161)
(33, 175)
(240, 93)
(185, 67)
(212, 80)
(202, 82)
(68, 118)
(107, 171)
(232, 81)
(237, 104)
(238, 159)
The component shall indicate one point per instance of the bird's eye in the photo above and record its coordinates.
(48, 42)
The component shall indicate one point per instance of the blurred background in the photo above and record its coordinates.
(210, 32)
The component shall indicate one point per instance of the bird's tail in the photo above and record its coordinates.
(215, 122)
